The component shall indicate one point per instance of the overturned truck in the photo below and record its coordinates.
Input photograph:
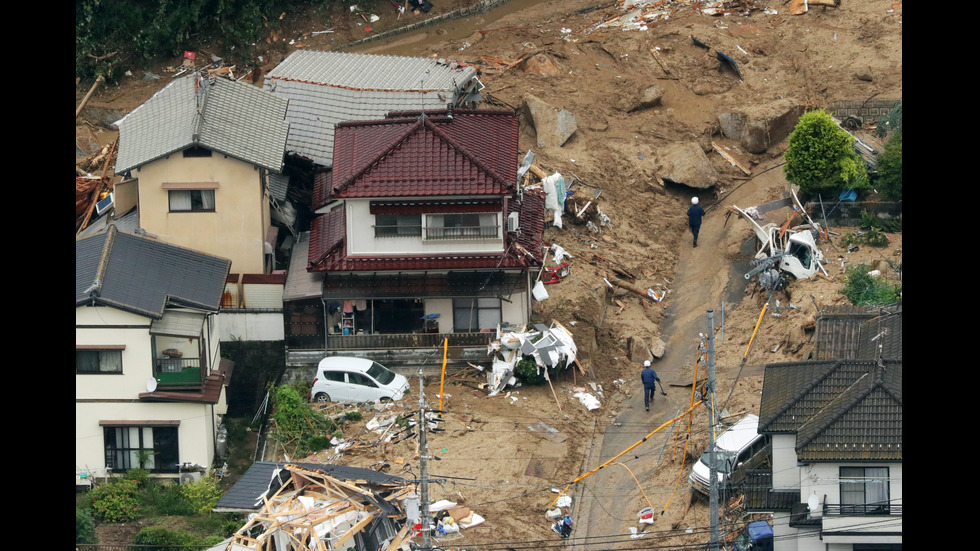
(783, 249)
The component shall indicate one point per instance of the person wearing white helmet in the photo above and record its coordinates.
(650, 380)
(694, 215)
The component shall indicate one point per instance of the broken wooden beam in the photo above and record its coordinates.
(656, 55)
(728, 157)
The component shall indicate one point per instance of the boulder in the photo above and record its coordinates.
(553, 126)
(541, 65)
(640, 348)
(685, 163)
(757, 127)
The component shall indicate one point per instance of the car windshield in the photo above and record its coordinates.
(725, 460)
(380, 373)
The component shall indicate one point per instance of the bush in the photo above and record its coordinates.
(890, 169)
(117, 501)
(85, 526)
(296, 420)
(164, 539)
(202, 495)
(862, 289)
(141, 476)
(528, 372)
(167, 498)
(820, 156)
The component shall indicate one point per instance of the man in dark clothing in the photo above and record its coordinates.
(650, 380)
(694, 214)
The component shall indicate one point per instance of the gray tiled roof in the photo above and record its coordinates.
(325, 88)
(236, 119)
(846, 331)
(839, 409)
(144, 276)
(244, 495)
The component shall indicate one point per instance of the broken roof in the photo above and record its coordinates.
(326, 88)
(144, 276)
(245, 495)
(305, 509)
(233, 118)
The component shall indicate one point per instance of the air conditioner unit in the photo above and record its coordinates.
(103, 204)
(513, 222)
(189, 477)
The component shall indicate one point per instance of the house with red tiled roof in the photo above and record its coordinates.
(422, 234)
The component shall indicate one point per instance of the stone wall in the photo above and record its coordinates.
(848, 213)
(868, 111)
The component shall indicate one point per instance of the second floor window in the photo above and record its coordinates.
(98, 361)
(191, 200)
(462, 226)
(864, 490)
(397, 225)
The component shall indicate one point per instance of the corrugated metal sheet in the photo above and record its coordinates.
(178, 324)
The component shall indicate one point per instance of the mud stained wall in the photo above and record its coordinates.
(867, 111)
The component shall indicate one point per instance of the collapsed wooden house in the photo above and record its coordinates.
(306, 509)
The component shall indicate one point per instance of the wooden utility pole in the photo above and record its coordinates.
(98, 81)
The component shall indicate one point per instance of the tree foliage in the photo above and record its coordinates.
(862, 288)
(890, 122)
(114, 35)
(820, 156)
(297, 423)
(890, 169)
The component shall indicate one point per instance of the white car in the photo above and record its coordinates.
(343, 379)
(740, 447)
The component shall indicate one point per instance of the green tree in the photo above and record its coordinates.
(202, 495)
(890, 169)
(84, 526)
(820, 156)
(891, 122)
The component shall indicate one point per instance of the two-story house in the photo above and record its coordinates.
(423, 234)
(836, 429)
(149, 377)
(199, 155)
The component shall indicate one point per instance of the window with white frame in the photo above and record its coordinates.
(92, 361)
(473, 314)
(191, 200)
(472, 225)
(864, 490)
(141, 447)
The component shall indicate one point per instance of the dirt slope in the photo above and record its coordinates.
(502, 468)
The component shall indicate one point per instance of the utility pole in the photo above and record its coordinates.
(713, 468)
(426, 518)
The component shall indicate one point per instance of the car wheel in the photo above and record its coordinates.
(385, 399)
(321, 398)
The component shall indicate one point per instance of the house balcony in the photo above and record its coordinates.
(854, 524)
(393, 349)
(178, 372)
(461, 232)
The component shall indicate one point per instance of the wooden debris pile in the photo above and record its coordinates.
(308, 510)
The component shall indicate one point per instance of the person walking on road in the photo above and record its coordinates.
(650, 380)
(694, 215)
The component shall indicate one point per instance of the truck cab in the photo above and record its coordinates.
(756, 536)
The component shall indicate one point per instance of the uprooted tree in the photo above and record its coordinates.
(821, 156)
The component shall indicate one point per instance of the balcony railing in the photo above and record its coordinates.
(462, 232)
(407, 340)
(397, 231)
(863, 510)
(176, 372)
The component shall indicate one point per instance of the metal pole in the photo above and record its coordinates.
(426, 519)
(723, 322)
(713, 470)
